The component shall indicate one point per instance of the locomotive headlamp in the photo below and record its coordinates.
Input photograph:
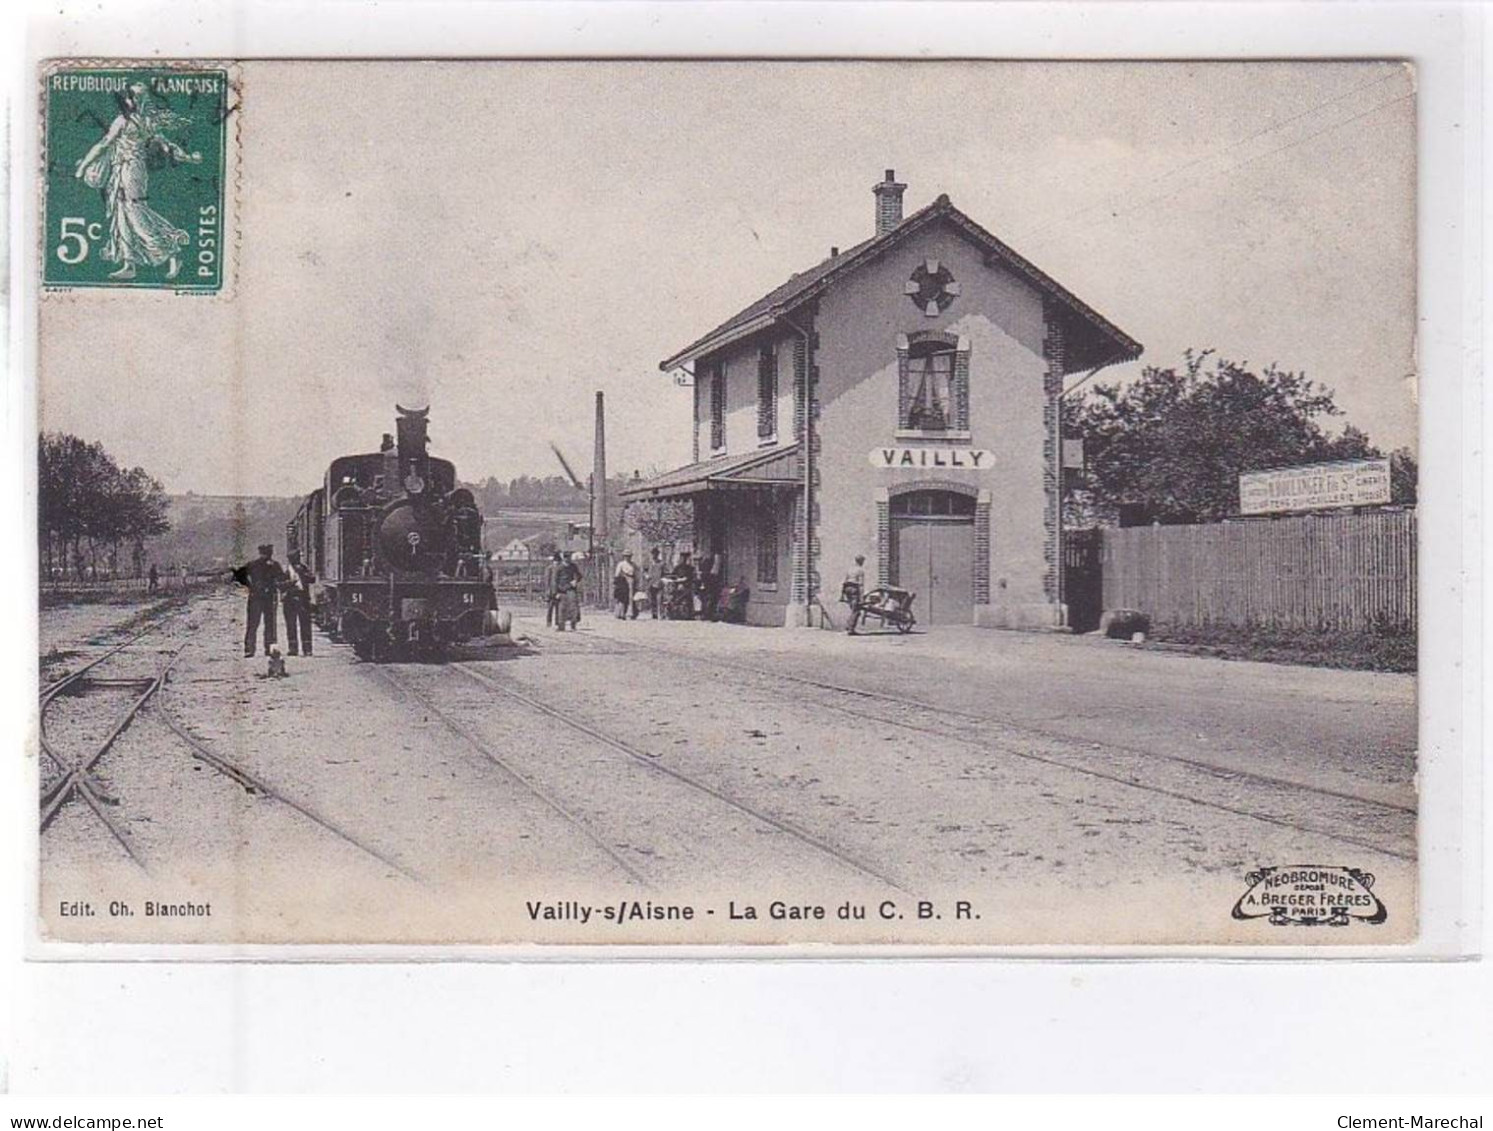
(413, 484)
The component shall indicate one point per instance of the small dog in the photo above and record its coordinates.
(277, 665)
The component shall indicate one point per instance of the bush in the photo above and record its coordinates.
(1382, 648)
(1123, 624)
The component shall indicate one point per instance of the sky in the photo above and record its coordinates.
(503, 239)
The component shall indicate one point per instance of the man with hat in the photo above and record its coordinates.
(297, 605)
(262, 577)
(552, 589)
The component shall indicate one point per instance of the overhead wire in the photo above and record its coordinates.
(1147, 202)
(1115, 203)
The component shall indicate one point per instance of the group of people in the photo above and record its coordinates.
(677, 593)
(271, 584)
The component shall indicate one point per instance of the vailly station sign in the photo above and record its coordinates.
(939, 459)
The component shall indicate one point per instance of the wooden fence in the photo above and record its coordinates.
(167, 583)
(523, 581)
(1340, 572)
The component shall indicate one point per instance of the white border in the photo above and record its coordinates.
(953, 1005)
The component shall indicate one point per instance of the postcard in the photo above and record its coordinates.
(898, 504)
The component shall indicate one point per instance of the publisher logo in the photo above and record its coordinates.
(1310, 895)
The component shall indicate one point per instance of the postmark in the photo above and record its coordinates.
(136, 167)
(1311, 895)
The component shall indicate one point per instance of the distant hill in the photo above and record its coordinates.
(217, 531)
(213, 531)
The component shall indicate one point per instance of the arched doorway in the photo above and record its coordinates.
(933, 552)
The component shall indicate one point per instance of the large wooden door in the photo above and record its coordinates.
(934, 557)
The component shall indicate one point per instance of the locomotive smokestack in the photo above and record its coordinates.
(599, 474)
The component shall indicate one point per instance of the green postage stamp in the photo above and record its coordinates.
(135, 177)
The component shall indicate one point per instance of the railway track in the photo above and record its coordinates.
(56, 687)
(76, 778)
(818, 844)
(147, 622)
(486, 751)
(1073, 755)
(254, 784)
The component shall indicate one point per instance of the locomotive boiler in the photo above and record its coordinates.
(396, 547)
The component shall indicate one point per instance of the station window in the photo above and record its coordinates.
(717, 407)
(934, 380)
(767, 392)
(767, 545)
(931, 369)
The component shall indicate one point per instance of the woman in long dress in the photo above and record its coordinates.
(117, 166)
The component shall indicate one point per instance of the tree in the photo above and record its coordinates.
(660, 521)
(1173, 443)
(1404, 477)
(143, 507)
(86, 501)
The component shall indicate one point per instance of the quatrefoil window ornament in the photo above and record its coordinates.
(932, 287)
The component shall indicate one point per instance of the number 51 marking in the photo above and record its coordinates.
(77, 232)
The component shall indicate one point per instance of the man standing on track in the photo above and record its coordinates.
(297, 604)
(262, 577)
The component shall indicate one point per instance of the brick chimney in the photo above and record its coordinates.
(888, 202)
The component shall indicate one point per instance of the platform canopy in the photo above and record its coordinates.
(771, 467)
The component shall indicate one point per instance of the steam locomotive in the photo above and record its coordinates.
(396, 547)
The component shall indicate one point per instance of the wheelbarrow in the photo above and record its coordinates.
(888, 604)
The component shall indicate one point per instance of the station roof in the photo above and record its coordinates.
(1092, 339)
(767, 467)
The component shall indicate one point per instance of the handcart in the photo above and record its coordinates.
(890, 605)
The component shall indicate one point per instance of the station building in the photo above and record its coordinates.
(899, 401)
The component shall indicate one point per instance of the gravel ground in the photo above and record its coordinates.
(1348, 727)
(453, 806)
(76, 630)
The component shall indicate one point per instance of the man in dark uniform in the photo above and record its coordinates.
(568, 581)
(684, 579)
(297, 604)
(654, 568)
(712, 581)
(552, 588)
(262, 578)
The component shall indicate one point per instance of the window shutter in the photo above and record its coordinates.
(904, 383)
(717, 407)
(800, 375)
(767, 543)
(961, 385)
(767, 392)
(694, 393)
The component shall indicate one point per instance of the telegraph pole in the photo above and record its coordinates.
(599, 531)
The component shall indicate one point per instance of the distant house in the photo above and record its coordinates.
(909, 387)
(519, 549)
